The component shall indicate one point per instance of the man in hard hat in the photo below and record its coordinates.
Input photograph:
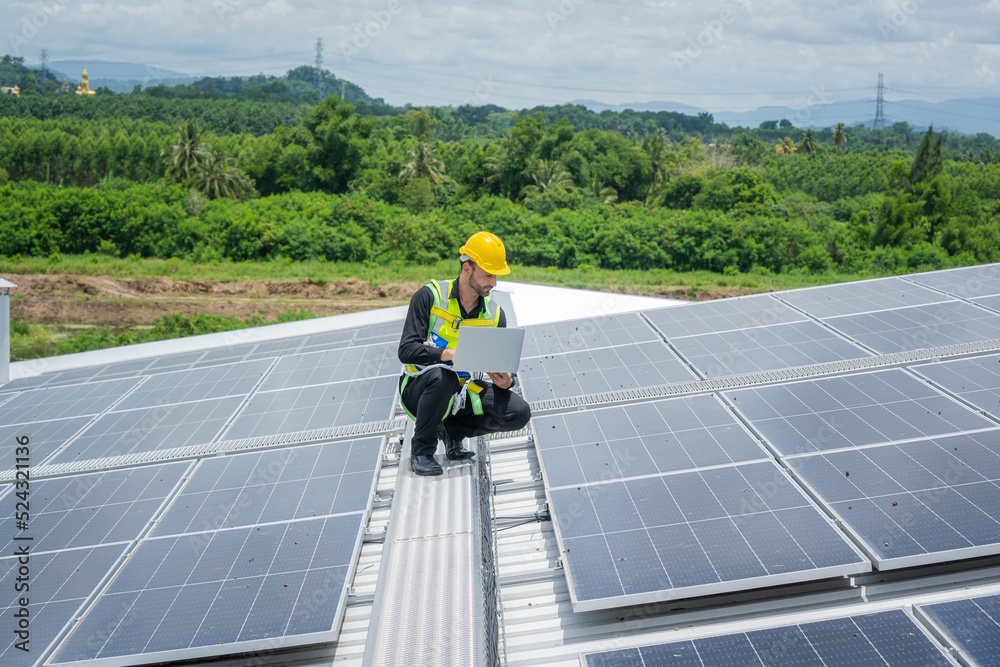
(429, 388)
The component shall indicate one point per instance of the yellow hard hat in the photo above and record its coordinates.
(487, 251)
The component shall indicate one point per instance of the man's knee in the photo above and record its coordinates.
(520, 413)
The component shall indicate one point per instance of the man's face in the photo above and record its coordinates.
(481, 281)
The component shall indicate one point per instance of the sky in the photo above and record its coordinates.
(728, 55)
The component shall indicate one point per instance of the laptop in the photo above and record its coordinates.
(488, 349)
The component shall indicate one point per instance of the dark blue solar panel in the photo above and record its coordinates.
(765, 349)
(43, 438)
(977, 379)
(887, 638)
(224, 591)
(319, 406)
(693, 533)
(641, 439)
(853, 410)
(586, 334)
(860, 297)
(150, 429)
(920, 327)
(87, 510)
(64, 402)
(919, 502)
(294, 483)
(196, 385)
(59, 583)
(972, 626)
(350, 363)
(969, 282)
(722, 315)
(627, 366)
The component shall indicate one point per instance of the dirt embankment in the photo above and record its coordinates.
(125, 302)
(128, 302)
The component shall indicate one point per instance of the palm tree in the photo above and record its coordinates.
(604, 193)
(182, 159)
(786, 147)
(424, 163)
(839, 136)
(217, 176)
(549, 174)
(809, 142)
(657, 147)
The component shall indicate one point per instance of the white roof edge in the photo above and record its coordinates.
(32, 367)
(6, 283)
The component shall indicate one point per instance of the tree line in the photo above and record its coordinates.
(206, 178)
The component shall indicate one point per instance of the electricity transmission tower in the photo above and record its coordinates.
(319, 64)
(44, 59)
(879, 124)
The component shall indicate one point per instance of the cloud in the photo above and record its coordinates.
(735, 53)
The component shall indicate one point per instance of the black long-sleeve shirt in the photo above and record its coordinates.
(411, 344)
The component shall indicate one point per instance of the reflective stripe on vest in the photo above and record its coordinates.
(443, 325)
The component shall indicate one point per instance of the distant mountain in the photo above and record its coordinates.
(101, 69)
(118, 77)
(962, 116)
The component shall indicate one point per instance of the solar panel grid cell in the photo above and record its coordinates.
(765, 348)
(971, 625)
(860, 297)
(889, 638)
(920, 327)
(60, 584)
(853, 410)
(720, 316)
(693, 533)
(914, 503)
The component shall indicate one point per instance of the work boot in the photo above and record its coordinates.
(453, 448)
(425, 465)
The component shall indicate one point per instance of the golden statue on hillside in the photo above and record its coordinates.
(84, 88)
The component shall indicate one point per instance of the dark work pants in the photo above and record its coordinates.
(426, 397)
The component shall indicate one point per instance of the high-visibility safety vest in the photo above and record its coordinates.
(442, 331)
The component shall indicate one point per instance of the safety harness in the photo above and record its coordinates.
(442, 331)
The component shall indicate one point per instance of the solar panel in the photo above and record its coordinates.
(63, 402)
(237, 590)
(196, 385)
(53, 379)
(920, 327)
(921, 502)
(968, 283)
(334, 365)
(765, 348)
(641, 439)
(44, 438)
(279, 485)
(725, 315)
(149, 429)
(860, 297)
(991, 302)
(60, 584)
(885, 638)
(626, 366)
(379, 333)
(88, 510)
(694, 533)
(972, 626)
(317, 406)
(977, 379)
(586, 334)
(852, 410)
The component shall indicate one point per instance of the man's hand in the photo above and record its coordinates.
(502, 380)
(448, 354)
